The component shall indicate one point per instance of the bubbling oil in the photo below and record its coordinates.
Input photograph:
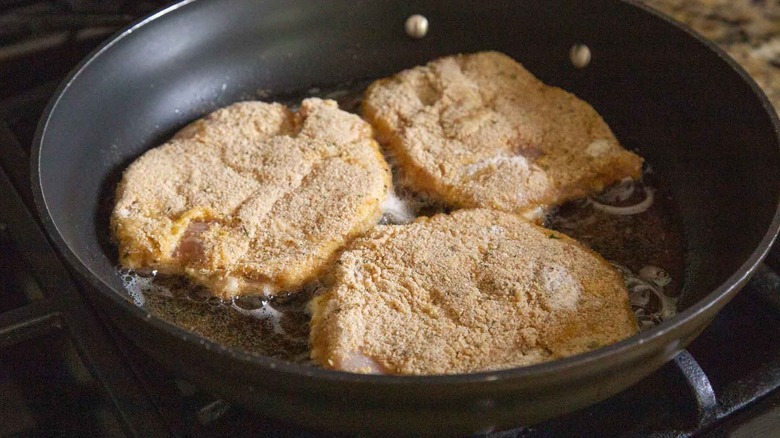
(644, 244)
(269, 325)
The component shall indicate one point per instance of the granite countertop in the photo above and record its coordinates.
(748, 30)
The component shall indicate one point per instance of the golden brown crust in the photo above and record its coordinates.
(479, 130)
(253, 198)
(471, 291)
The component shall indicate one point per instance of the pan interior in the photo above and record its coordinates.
(691, 115)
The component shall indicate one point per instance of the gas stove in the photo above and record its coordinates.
(58, 355)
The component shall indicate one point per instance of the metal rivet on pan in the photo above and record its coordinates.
(416, 26)
(579, 55)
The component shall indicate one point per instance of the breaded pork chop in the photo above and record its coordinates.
(480, 130)
(471, 291)
(253, 198)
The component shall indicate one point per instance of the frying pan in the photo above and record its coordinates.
(704, 126)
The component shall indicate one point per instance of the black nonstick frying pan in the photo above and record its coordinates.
(707, 130)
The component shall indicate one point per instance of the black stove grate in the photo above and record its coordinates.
(58, 355)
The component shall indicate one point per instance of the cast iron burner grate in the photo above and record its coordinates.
(58, 356)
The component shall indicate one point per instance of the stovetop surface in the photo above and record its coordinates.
(58, 356)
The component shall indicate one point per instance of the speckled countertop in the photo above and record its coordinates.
(749, 30)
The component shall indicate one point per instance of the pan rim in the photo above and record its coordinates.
(660, 334)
